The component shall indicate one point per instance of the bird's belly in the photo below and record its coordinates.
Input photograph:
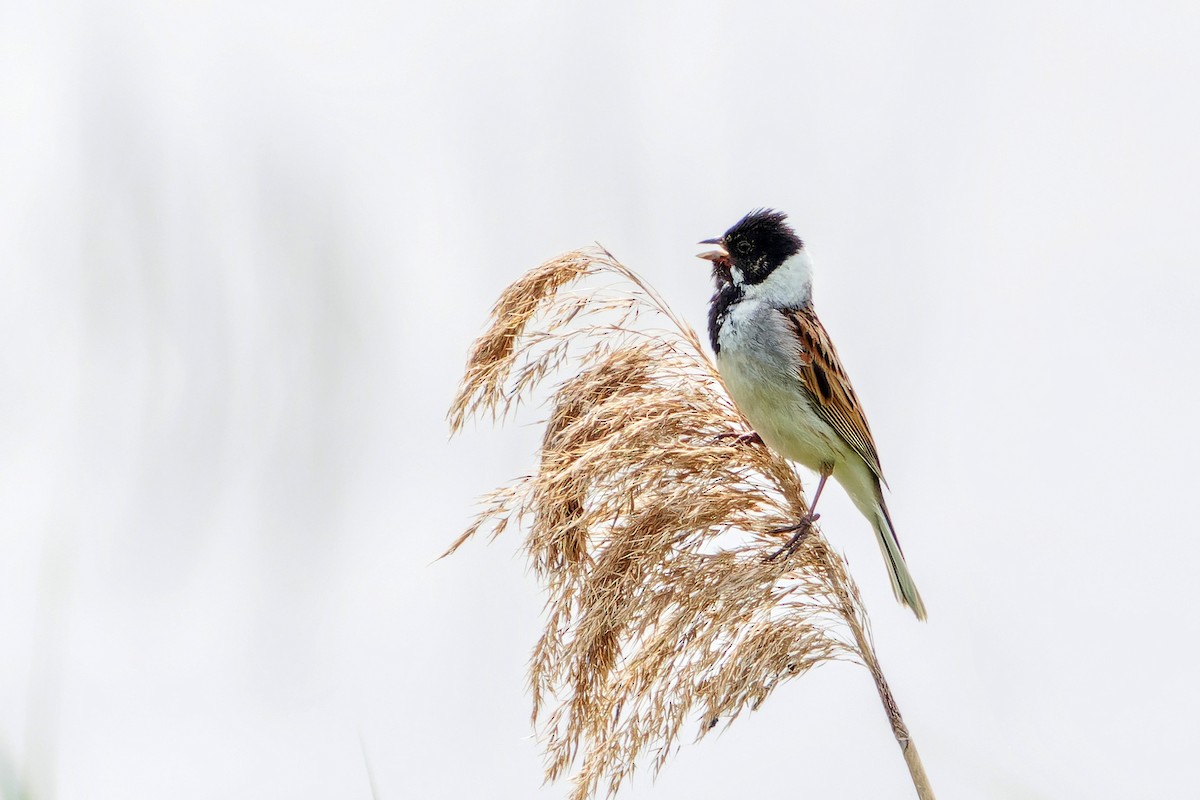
(779, 410)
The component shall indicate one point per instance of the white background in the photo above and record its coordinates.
(245, 248)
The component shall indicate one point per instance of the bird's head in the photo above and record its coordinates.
(757, 245)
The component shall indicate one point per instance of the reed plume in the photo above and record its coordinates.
(647, 523)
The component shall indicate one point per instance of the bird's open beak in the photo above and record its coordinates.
(716, 254)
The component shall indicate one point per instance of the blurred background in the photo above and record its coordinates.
(245, 248)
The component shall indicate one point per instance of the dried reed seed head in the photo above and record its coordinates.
(560, 514)
(648, 520)
(491, 355)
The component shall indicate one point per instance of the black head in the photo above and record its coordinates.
(756, 245)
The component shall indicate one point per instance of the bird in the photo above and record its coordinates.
(782, 372)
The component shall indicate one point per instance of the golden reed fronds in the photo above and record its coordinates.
(648, 522)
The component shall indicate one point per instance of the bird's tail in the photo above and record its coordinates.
(902, 580)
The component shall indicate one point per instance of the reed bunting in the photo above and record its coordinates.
(784, 375)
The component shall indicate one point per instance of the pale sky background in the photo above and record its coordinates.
(245, 248)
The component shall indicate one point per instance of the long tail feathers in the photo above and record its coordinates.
(902, 580)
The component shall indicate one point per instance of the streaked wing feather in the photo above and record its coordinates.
(826, 380)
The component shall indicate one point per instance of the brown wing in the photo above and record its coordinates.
(829, 386)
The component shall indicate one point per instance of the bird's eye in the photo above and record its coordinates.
(743, 247)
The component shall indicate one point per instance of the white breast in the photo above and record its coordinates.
(757, 361)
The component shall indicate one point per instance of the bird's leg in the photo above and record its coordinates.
(802, 527)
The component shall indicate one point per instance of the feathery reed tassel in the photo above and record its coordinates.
(648, 523)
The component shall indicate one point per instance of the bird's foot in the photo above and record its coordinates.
(741, 438)
(801, 529)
